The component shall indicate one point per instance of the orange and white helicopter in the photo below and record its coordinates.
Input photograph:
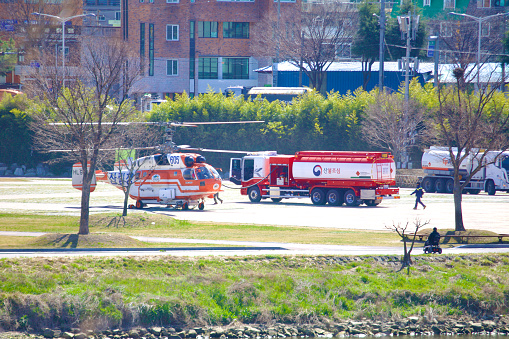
(175, 177)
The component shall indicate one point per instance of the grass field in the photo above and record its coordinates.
(100, 293)
(106, 293)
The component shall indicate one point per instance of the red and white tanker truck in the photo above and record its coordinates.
(494, 176)
(332, 177)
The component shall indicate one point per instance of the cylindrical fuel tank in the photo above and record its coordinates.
(344, 165)
(437, 159)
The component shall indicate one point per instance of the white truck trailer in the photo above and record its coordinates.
(439, 172)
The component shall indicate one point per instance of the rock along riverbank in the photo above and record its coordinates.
(413, 326)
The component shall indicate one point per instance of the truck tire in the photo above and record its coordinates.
(254, 194)
(474, 191)
(350, 198)
(334, 198)
(318, 196)
(372, 202)
(428, 185)
(449, 186)
(490, 187)
(139, 204)
(440, 185)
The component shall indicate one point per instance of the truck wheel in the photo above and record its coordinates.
(371, 202)
(428, 185)
(449, 186)
(440, 185)
(474, 191)
(350, 198)
(139, 204)
(318, 196)
(334, 198)
(490, 187)
(254, 194)
(201, 206)
(276, 199)
(185, 206)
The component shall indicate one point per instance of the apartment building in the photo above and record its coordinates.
(197, 45)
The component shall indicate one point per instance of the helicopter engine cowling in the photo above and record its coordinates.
(189, 161)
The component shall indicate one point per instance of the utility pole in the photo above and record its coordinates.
(275, 64)
(382, 47)
(408, 26)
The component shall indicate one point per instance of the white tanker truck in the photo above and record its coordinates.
(439, 172)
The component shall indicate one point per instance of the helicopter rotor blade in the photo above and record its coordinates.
(215, 150)
(101, 149)
(176, 124)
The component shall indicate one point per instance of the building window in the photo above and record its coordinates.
(172, 67)
(235, 68)
(285, 1)
(237, 0)
(172, 1)
(449, 4)
(142, 39)
(207, 29)
(483, 4)
(344, 51)
(426, 3)
(117, 15)
(485, 29)
(445, 29)
(101, 18)
(151, 38)
(236, 30)
(172, 32)
(207, 68)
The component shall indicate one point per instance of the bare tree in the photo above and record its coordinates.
(133, 140)
(401, 230)
(35, 35)
(388, 123)
(310, 39)
(83, 116)
(459, 39)
(470, 125)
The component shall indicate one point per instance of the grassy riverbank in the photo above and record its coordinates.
(98, 293)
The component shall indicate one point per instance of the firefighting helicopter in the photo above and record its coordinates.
(175, 177)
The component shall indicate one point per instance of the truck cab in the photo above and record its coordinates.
(252, 166)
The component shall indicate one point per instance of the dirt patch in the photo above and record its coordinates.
(58, 240)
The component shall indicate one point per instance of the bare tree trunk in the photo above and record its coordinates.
(458, 213)
(85, 208)
(126, 200)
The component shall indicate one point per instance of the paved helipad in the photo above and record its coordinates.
(479, 211)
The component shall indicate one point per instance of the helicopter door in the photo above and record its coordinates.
(236, 170)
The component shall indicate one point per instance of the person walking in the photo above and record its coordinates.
(216, 195)
(419, 192)
(216, 198)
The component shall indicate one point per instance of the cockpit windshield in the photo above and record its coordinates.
(189, 174)
(215, 173)
(203, 173)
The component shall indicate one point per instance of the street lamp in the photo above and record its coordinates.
(479, 20)
(63, 21)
